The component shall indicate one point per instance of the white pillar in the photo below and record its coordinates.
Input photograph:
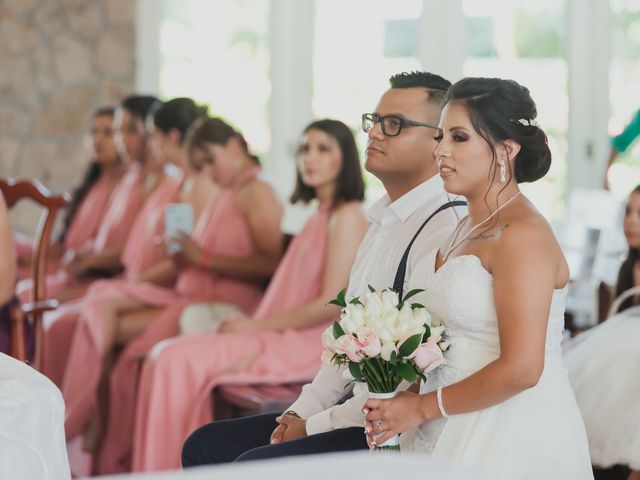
(148, 15)
(442, 28)
(588, 57)
(291, 34)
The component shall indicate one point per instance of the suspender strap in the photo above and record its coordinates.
(398, 282)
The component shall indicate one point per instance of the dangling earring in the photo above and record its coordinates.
(503, 172)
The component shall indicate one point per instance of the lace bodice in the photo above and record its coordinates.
(460, 296)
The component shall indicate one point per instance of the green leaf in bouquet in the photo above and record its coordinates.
(337, 330)
(416, 305)
(409, 345)
(427, 333)
(340, 299)
(354, 370)
(407, 372)
(356, 301)
(371, 289)
(411, 293)
(393, 359)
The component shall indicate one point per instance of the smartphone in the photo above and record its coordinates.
(178, 217)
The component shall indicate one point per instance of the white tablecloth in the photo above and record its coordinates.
(337, 466)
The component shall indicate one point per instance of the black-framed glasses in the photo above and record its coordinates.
(391, 125)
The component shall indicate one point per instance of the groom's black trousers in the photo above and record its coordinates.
(247, 438)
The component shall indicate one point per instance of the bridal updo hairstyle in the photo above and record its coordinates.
(503, 110)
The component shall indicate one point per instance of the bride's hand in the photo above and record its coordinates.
(386, 418)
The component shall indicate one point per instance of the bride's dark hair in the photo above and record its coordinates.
(625, 274)
(503, 110)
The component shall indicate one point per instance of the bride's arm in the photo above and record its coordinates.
(524, 268)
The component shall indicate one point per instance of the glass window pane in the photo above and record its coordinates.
(518, 40)
(624, 91)
(353, 60)
(218, 54)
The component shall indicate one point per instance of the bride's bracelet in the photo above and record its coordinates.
(443, 412)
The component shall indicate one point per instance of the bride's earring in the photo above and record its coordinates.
(503, 172)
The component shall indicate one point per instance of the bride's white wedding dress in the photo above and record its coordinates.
(32, 444)
(537, 434)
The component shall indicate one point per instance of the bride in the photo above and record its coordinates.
(502, 405)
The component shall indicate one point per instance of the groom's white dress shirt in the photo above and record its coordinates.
(392, 227)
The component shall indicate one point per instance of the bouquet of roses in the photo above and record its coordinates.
(384, 339)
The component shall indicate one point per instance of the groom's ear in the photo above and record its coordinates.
(509, 150)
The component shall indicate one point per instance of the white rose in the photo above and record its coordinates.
(437, 331)
(407, 324)
(389, 325)
(352, 318)
(421, 316)
(328, 339)
(387, 348)
(372, 304)
(390, 300)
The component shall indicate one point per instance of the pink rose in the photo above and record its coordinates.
(371, 345)
(349, 346)
(428, 356)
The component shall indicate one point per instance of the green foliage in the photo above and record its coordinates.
(407, 372)
(337, 330)
(354, 370)
(409, 345)
(340, 300)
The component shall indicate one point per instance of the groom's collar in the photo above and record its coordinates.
(384, 212)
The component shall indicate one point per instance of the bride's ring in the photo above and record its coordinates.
(378, 426)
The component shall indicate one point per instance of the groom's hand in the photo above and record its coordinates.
(289, 428)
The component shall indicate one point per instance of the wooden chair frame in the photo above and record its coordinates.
(13, 192)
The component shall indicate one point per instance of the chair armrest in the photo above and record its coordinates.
(42, 306)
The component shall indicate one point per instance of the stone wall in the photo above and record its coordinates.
(59, 60)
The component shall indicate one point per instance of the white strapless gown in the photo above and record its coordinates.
(604, 369)
(32, 444)
(537, 434)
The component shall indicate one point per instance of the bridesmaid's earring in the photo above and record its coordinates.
(503, 172)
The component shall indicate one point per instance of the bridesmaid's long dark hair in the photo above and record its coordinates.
(91, 176)
(625, 274)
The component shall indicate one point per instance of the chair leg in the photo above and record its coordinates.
(18, 347)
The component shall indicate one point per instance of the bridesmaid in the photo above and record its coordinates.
(235, 247)
(101, 258)
(280, 342)
(165, 183)
(604, 367)
(90, 200)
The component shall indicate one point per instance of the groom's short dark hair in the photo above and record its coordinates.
(435, 85)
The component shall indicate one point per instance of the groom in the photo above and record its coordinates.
(400, 152)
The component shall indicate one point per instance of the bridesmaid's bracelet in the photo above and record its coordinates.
(443, 412)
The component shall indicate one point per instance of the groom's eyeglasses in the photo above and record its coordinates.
(391, 125)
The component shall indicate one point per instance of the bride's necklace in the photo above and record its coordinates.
(455, 243)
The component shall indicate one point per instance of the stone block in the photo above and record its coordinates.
(73, 61)
(67, 111)
(115, 53)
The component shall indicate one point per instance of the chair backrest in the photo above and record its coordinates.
(13, 192)
(615, 305)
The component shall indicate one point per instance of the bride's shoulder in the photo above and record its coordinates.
(527, 236)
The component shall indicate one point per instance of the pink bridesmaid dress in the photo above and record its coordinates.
(141, 251)
(220, 229)
(175, 394)
(123, 205)
(85, 223)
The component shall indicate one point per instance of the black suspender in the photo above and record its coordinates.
(398, 282)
